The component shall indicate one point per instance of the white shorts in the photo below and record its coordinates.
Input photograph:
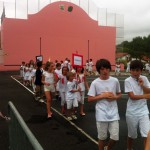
(117, 70)
(133, 123)
(63, 98)
(104, 127)
(71, 103)
(50, 88)
(26, 77)
(90, 68)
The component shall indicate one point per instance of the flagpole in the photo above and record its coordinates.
(40, 46)
(27, 9)
(38, 5)
(15, 8)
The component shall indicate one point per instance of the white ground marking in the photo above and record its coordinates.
(73, 124)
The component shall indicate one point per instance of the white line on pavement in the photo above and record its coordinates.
(73, 124)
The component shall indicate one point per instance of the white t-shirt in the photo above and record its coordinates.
(70, 95)
(105, 110)
(136, 107)
(62, 83)
(90, 66)
(81, 82)
(66, 63)
(49, 77)
(58, 72)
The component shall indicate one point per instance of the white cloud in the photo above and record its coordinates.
(136, 15)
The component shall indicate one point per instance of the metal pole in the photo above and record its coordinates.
(40, 46)
(88, 51)
(15, 8)
(38, 5)
(27, 9)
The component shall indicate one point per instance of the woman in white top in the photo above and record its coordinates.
(49, 81)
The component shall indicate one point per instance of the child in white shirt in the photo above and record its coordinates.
(70, 96)
(62, 87)
(83, 84)
(105, 90)
(137, 114)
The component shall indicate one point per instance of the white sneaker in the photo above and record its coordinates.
(41, 100)
(74, 117)
(69, 118)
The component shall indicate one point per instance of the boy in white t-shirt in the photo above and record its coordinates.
(71, 101)
(137, 113)
(105, 90)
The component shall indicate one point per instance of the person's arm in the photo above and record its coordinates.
(86, 83)
(147, 146)
(138, 97)
(145, 88)
(43, 81)
(105, 95)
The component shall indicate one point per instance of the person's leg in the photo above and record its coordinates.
(147, 145)
(132, 124)
(114, 134)
(101, 144)
(69, 110)
(82, 104)
(129, 143)
(102, 128)
(144, 126)
(62, 95)
(111, 144)
(48, 104)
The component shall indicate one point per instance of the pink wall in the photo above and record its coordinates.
(62, 34)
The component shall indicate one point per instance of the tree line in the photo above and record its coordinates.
(138, 48)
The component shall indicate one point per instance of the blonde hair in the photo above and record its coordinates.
(69, 74)
(47, 65)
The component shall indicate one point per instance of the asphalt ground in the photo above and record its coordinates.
(57, 133)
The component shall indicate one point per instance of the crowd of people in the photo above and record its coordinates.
(70, 84)
(60, 78)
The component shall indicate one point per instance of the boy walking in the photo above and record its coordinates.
(137, 114)
(105, 90)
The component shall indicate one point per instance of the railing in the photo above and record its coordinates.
(20, 136)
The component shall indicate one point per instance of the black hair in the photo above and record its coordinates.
(39, 64)
(136, 64)
(58, 65)
(64, 68)
(102, 63)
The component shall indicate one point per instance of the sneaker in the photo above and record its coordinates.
(105, 148)
(69, 118)
(74, 117)
(41, 100)
(36, 98)
(82, 114)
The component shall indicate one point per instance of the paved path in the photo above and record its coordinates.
(58, 133)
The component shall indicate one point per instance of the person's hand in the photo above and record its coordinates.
(140, 82)
(147, 96)
(47, 84)
(79, 89)
(108, 95)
